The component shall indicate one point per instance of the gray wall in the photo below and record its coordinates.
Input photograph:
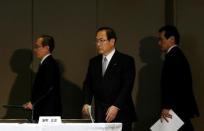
(15, 53)
(73, 24)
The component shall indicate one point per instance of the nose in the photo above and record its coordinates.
(98, 45)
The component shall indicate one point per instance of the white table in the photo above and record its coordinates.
(61, 127)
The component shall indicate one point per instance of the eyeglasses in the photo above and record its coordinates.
(37, 47)
(100, 41)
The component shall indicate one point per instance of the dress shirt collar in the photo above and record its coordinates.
(171, 48)
(110, 55)
(44, 58)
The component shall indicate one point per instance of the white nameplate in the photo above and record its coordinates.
(50, 120)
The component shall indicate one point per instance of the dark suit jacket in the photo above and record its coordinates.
(45, 96)
(114, 88)
(176, 84)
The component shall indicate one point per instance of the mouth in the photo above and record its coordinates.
(99, 48)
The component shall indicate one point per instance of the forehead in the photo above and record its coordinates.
(101, 34)
(162, 34)
(39, 41)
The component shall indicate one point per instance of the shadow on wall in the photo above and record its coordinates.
(149, 93)
(20, 91)
(72, 97)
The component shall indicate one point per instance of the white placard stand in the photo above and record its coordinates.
(50, 120)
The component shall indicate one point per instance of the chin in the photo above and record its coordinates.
(100, 52)
(162, 50)
(39, 57)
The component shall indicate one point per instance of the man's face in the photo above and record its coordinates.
(39, 49)
(164, 43)
(103, 45)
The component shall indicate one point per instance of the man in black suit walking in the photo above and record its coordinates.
(110, 79)
(176, 81)
(45, 96)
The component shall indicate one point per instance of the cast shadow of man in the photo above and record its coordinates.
(20, 64)
(149, 93)
(72, 97)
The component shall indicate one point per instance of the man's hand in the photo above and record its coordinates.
(85, 109)
(165, 114)
(111, 113)
(28, 106)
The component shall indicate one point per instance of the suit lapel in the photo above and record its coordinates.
(113, 62)
(98, 67)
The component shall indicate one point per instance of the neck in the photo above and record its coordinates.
(107, 53)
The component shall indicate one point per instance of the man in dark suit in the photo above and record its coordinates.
(45, 96)
(176, 81)
(110, 79)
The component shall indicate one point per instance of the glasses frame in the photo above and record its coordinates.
(101, 41)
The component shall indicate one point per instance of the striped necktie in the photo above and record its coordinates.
(104, 65)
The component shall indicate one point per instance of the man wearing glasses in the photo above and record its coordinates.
(110, 79)
(45, 96)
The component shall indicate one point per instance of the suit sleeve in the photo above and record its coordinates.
(171, 82)
(47, 83)
(87, 86)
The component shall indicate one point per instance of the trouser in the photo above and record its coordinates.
(187, 125)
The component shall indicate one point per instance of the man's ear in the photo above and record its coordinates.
(112, 41)
(47, 47)
(172, 39)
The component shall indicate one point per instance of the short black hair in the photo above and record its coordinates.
(171, 30)
(48, 41)
(109, 32)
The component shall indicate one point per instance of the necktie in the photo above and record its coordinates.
(104, 65)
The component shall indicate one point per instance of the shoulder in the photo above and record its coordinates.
(49, 59)
(123, 56)
(50, 62)
(175, 51)
(177, 56)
